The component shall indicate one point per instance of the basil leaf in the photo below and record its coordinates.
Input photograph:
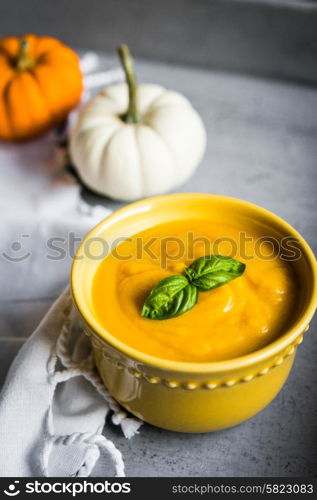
(171, 297)
(212, 271)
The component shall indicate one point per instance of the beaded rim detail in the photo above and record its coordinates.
(190, 385)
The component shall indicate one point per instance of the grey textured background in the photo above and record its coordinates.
(261, 147)
(266, 37)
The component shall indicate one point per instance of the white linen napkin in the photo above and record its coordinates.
(53, 405)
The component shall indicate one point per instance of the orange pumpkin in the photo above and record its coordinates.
(40, 82)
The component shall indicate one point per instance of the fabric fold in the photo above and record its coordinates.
(53, 405)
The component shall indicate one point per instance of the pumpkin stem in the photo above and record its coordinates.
(132, 115)
(24, 61)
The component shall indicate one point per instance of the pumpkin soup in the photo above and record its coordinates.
(226, 321)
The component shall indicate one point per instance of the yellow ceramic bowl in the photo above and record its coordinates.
(191, 397)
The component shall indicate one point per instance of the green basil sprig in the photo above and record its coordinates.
(175, 295)
(212, 271)
(171, 297)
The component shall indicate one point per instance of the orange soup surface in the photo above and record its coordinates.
(227, 322)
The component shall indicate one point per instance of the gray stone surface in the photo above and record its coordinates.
(267, 37)
(261, 147)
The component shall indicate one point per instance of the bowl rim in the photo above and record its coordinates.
(270, 350)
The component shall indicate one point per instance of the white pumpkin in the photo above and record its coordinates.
(134, 141)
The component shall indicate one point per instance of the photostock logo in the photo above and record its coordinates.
(72, 488)
(17, 252)
(13, 492)
(164, 250)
